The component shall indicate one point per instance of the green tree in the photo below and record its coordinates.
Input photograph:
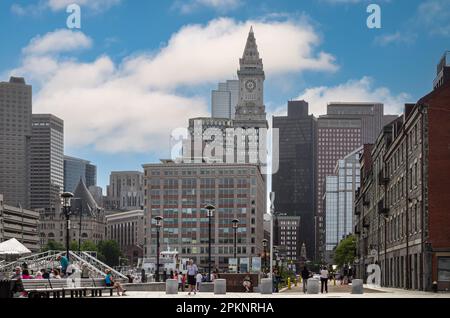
(345, 252)
(74, 246)
(88, 246)
(53, 246)
(109, 252)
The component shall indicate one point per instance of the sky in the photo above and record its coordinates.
(136, 70)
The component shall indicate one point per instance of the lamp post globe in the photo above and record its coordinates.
(158, 224)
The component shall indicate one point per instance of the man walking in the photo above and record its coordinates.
(324, 279)
(192, 271)
(305, 275)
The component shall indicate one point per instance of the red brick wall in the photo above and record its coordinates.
(439, 167)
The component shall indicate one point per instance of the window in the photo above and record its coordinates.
(444, 269)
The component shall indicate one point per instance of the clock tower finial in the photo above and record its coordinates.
(251, 83)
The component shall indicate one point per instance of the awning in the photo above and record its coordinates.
(13, 247)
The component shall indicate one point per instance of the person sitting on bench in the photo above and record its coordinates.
(109, 280)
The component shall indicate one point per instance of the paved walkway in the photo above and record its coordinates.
(341, 292)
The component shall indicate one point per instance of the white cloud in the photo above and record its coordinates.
(362, 90)
(57, 5)
(189, 6)
(97, 5)
(435, 16)
(58, 42)
(198, 54)
(397, 38)
(134, 105)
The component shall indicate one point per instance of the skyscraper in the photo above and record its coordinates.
(294, 184)
(340, 190)
(76, 169)
(46, 161)
(344, 128)
(15, 134)
(224, 100)
(125, 191)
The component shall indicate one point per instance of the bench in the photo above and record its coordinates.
(59, 288)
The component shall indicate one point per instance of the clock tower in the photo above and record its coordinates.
(250, 110)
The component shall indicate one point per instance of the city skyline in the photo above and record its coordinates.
(317, 64)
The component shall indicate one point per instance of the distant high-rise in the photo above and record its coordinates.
(345, 127)
(15, 134)
(76, 169)
(125, 191)
(340, 190)
(225, 99)
(294, 183)
(46, 161)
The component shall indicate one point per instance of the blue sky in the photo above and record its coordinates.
(138, 69)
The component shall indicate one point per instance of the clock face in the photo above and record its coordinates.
(250, 85)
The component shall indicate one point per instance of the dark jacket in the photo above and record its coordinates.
(305, 273)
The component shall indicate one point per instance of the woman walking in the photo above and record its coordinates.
(192, 271)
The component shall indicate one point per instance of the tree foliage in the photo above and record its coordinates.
(345, 252)
(109, 252)
(53, 246)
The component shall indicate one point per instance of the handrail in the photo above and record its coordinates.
(90, 257)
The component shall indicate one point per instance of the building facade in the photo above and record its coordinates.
(405, 214)
(180, 192)
(339, 198)
(127, 229)
(21, 224)
(345, 127)
(46, 161)
(224, 100)
(125, 191)
(15, 134)
(87, 220)
(288, 243)
(295, 181)
(76, 169)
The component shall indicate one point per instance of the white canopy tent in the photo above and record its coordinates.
(13, 247)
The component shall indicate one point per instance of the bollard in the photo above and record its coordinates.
(289, 283)
(266, 286)
(171, 287)
(357, 287)
(313, 286)
(220, 286)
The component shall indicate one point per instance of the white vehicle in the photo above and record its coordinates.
(168, 260)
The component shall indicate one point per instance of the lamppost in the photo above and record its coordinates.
(235, 227)
(158, 220)
(66, 196)
(264, 244)
(210, 212)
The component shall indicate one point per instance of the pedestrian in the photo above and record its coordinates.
(38, 275)
(199, 280)
(45, 274)
(64, 262)
(247, 284)
(192, 271)
(26, 274)
(143, 276)
(181, 281)
(171, 275)
(109, 281)
(55, 274)
(275, 280)
(17, 273)
(84, 271)
(324, 275)
(305, 275)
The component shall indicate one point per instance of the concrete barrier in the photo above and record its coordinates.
(220, 286)
(266, 286)
(313, 286)
(207, 287)
(171, 287)
(357, 286)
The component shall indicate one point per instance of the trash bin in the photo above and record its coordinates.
(5, 289)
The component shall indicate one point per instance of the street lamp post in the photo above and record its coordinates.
(264, 244)
(210, 212)
(158, 220)
(235, 227)
(66, 196)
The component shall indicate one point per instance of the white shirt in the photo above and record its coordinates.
(199, 278)
(323, 273)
